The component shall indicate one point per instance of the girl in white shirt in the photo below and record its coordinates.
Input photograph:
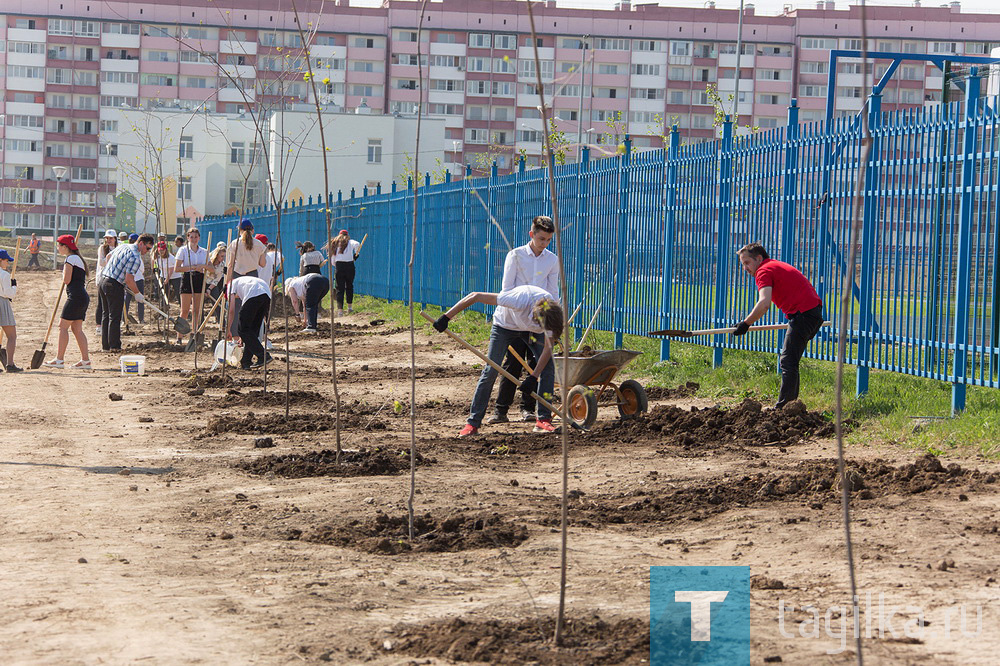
(8, 289)
(256, 297)
(343, 251)
(191, 264)
(244, 257)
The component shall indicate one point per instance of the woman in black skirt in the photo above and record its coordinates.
(74, 311)
(191, 260)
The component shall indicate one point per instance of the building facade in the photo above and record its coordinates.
(70, 66)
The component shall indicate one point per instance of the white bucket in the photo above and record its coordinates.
(133, 365)
(226, 352)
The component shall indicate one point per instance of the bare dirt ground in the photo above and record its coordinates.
(189, 539)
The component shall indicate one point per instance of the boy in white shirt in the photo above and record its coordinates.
(256, 297)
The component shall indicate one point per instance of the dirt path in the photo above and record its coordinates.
(190, 558)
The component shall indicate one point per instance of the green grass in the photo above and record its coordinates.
(891, 411)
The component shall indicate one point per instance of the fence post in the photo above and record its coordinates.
(490, 232)
(787, 252)
(466, 222)
(622, 239)
(868, 221)
(669, 217)
(963, 272)
(579, 281)
(722, 249)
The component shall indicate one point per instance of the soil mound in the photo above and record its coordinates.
(158, 345)
(273, 398)
(277, 424)
(365, 462)
(586, 641)
(810, 481)
(666, 393)
(215, 381)
(747, 424)
(389, 535)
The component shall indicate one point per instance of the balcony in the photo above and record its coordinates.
(110, 40)
(236, 47)
(116, 65)
(25, 35)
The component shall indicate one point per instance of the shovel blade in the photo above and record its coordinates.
(36, 359)
(181, 325)
(3, 357)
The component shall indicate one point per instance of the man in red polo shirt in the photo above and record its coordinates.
(796, 297)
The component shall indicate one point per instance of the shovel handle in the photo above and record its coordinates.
(519, 358)
(498, 368)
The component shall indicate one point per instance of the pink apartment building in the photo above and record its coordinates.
(68, 66)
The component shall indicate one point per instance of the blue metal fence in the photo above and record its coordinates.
(650, 237)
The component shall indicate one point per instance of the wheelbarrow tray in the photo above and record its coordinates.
(595, 368)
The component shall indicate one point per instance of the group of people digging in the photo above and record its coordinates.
(244, 271)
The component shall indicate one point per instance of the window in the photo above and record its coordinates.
(444, 61)
(109, 125)
(120, 77)
(944, 47)
(609, 93)
(25, 47)
(479, 40)
(613, 69)
(26, 72)
(849, 91)
(611, 44)
(652, 93)
(810, 67)
(194, 56)
(406, 35)
(364, 42)
(56, 149)
(19, 172)
(767, 123)
(812, 91)
(976, 48)
(367, 66)
(679, 97)
(476, 112)
(446, 109)
(648, 45)
(478, 64)
(701, 122)
(59, 76)
(184, 187)
(772, 50)
(159, 30)
(476, 136)
(772, 74)
(506, 42)
(24, 145)
(374, 151)
(529, 136)
(406, 59)
(186, 148)
(235, 191)
(84, 173)
(404, 84)
(647, 70)
(237, 152)
(330, 63)
(911, 73)
(60, 27)
(565, 42)
(642, 116)
(120, 101)
(478, 87)
(195, 82)
(504, 65)
(680, 48)
(679, 74)
(767, 99)
(157, 80)
(85, 102)
(121, 28)
(28, 24)
(109, 149)
(852, 44)
(445, 38)
(83, 77)
(196, 33)
(818, 43)
(527, 67)
(17, 195)
(503, 113)
(907, 96)
(161, 56)
(446, 84)
(16, 120)
(57, 101)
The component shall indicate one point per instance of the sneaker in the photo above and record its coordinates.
(526, 416)
(255, 364)
(309, 330)
(54, 363)
(340, 313)
(350, 310)
(14, 368)
(545, 426)
(468, 430)
(498, 418)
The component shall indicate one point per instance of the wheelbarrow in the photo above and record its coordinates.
(596, 369)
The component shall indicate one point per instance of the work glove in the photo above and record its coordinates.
(529, 385)
(441, 324)
(13, 282)
(741, 328)
(139, 298)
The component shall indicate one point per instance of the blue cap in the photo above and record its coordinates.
(245, 224)
(4, 255)
(133, 238)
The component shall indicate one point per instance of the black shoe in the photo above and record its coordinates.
(255, 364)
(527, 417)
(498, 418)
(14, 368)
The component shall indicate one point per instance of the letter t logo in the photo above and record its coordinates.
(701, 610)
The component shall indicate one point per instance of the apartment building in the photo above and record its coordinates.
(70, 66)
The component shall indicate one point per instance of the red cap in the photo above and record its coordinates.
(343, 232)
(262, 238)
(161, 245)
(68, 241)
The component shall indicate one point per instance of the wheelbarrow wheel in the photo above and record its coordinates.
(581, 406)
(634, 400)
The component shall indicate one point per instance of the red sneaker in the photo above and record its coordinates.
(545, 426)
(468, 430)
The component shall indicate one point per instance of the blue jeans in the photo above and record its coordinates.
(500, 338)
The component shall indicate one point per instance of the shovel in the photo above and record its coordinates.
(679, 333)
(199, 337)
(3, 352)
(180, 324)
(39, 355)
(498, 368)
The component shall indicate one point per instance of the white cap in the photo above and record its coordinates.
(110, 233)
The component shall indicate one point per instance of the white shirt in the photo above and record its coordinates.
(296, 284)
(246, 260)
(348, 252)
(247, 287)
(517, 305)
(271, 259)
(140, 273)
(189, 257)
(7, 290)
(522, 267)
(75, 260)
(166, 266)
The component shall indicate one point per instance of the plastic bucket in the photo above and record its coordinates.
(226, 352)
(133, 365)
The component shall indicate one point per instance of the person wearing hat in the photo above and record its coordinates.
(140, 280)
(343, 251)
(119, 276)
(8, 289)
(244, 257)
(122, 237)
(75, 309)
(109, 244)
(191, 264)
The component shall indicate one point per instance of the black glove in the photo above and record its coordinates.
(741, 328)
(441, 324)
(529, 385)
(13, 282)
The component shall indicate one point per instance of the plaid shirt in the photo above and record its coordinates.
(123, 260)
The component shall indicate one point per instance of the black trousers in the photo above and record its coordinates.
(345, 283)
(505, 394)
(802, 327)
(113, 293)
(317, 286)
(251, 318)
(140, 307)
(33, 261)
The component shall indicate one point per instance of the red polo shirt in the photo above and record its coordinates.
(790, 290)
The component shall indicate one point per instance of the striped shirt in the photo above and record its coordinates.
(123, 260)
